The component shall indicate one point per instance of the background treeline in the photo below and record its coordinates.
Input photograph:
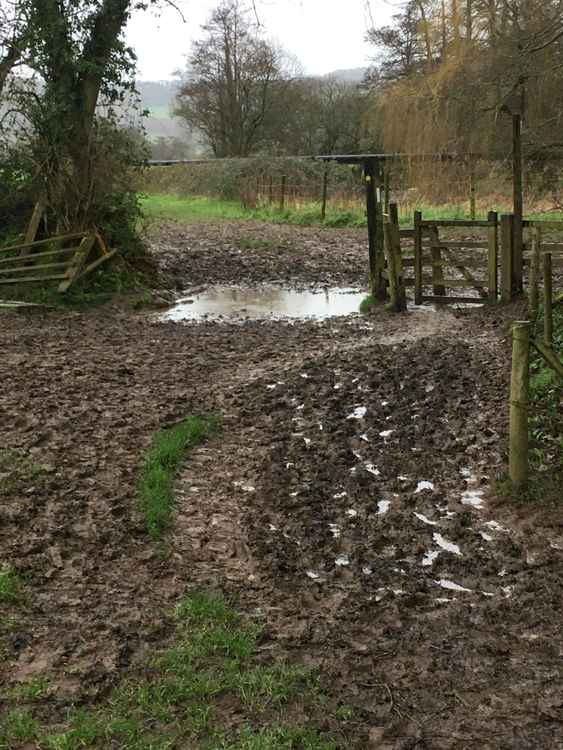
(446, 72)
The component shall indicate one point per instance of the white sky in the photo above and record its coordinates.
(324, 35)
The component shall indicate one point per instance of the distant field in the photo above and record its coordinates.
(190, 209)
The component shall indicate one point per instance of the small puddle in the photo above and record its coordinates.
(241, 303)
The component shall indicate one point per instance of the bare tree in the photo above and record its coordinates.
(233, 81)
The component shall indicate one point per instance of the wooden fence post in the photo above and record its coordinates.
(518, 202)
(493, 256)
(547, 301)
(507, 234)
(533, 283)
(472, 192)
(394, 261)
(397, 256)
(271, 190)
(282, 195)
(417, 258)
(386, 189)
(371, 212)
(325, 193)
(438, 288)
(518, 440)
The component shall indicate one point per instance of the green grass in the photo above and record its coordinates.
(27, 692)
(16, 470)
(189, 693)
(16, 727)
(168, 450)
(191, 209)
(11, 587)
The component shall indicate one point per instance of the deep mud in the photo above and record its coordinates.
(257, 252)
(348, 502)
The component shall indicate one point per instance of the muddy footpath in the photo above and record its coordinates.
(349, 500)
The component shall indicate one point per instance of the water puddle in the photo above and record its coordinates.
(265, 302)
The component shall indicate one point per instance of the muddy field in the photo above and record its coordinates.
(348, 501)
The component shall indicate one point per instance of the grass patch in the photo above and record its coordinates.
(168, 450)
(248, 243)
(28, 692)
(16, 470)
(190, 209)
(11, 587)
(190, 692)
(278, 738)
(368, 303)
(16, 727)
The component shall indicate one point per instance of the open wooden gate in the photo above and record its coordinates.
(444, 267)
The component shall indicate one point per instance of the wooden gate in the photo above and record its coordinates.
(446, 266)
(64, 259)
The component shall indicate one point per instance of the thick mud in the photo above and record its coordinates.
(348, 502)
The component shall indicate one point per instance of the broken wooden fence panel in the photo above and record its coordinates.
(19, 263)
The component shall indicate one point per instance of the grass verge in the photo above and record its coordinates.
(207, 691)
(168, 450)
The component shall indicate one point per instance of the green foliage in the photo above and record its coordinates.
(367, 304)
(11, 587)
(546, 420)
(169, 447)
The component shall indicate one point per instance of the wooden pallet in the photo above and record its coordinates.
(65, 259)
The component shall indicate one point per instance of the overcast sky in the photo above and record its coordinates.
(324, 35)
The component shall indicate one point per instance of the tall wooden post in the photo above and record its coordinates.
(386, 188)
(438, 288)
(394, 235)
(518, 440)
(507, 237)
(547, 301)
(371, 211)
(533, 283)
(282, 194)
(271, 190)
(325, 193)
(379, 237)
(518, 198)
(492, 262)
(472, 190)
(417, 258)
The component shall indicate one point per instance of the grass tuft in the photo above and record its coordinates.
(163, 460)
(278, 738)
(16, 470)
(16, 727)
(11, 587)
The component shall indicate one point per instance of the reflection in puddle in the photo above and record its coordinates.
(265, 302)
